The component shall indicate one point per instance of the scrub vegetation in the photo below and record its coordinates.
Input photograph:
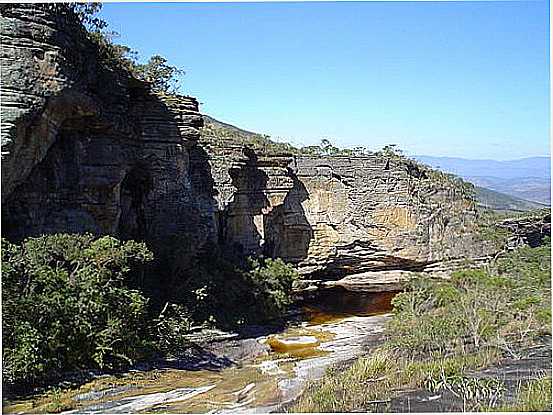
(156, 71)
(73, 302)
(535, 396)
(441, 330)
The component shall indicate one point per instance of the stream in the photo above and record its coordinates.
(347, 326)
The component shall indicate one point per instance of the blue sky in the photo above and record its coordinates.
(466, 79)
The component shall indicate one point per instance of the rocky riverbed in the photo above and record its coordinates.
(257, 374)
(260, 372)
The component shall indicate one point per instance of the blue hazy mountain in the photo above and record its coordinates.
(526, 178)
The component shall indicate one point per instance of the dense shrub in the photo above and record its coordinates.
(68, 303)
(505, 306)
(65, 305)
(170, 329)
(271, 281)
(227, 293)
(162, 76)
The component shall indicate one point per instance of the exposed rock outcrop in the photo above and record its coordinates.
(334, 216)
(88, 148)
(528, 229)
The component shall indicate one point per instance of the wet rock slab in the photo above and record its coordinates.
(141, 402)
(265, 384)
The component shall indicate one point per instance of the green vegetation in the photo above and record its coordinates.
(441, 329)
(475, 392)
(475, 309)
(326, 148)
(507, 307)
(73, 302)
(488, 229)
(65, 305)
(503, 202)
(534, 396)
(162, 76)
(217, 133)
(373, 380)
(159, 74)
(259, 290)
(58, 401)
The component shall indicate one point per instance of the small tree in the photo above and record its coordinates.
(359, 151)
(162, 76)
(392, 150)
(311, 150)
(159, 74)
(86, 13)
(329, 149)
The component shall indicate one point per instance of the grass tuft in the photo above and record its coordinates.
(535, 396)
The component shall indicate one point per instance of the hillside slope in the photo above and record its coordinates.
(504, 202)
(533, 189)
(527, 178)
(486, 197)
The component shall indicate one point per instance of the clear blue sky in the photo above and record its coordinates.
(467, 79)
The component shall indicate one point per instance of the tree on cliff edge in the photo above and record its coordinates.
(159, 74)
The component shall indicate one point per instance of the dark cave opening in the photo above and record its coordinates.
(135, 188)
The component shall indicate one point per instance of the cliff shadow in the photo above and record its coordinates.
(59, 195)
(241, 224)
(134, 189)
(288, 231)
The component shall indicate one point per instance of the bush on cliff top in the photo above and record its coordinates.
(162, 76)
(65, 305)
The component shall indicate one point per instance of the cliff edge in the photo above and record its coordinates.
(88, 148)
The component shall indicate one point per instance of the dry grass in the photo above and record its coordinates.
(374, 379)
(535, 396)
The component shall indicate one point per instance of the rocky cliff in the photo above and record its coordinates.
(338, 215)
(88, 148)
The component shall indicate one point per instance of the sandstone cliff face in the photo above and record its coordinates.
(86, 148)
(90, 149)
(376, 212)
(335, 216)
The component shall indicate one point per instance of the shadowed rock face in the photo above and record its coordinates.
(530, 229)
(90, 149)
(86, 148)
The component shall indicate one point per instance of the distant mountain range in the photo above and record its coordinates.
(527, 179)
(512, 169)
(504, 202)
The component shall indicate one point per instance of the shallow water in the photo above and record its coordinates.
(335, 333)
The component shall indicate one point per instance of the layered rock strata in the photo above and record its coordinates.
(88, 148)
(334, 216)
(528, 229)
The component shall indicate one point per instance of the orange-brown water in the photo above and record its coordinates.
(328, 309)
(337, 303)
